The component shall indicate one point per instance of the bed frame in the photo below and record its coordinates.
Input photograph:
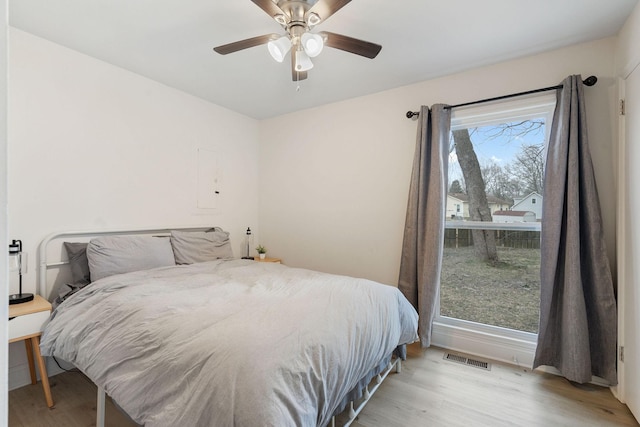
(43, 289)
(44, 250)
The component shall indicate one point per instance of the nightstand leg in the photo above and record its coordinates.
(32, 366)
(35, 342)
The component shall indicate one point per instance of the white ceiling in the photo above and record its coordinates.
(171, 41)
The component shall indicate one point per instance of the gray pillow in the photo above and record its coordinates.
(201, 246)
(77, 255)
(111, 255)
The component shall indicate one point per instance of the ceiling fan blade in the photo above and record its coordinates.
(268, 6)
(349, 44)
(326, 8)
(296, 76)
(245, 44)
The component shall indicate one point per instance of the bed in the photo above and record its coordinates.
(222, 341)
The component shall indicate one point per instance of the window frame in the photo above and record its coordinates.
(498, 343)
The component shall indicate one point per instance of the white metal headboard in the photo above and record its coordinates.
(45, 264)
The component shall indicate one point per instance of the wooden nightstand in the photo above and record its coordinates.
(25, 324)
(276, 260)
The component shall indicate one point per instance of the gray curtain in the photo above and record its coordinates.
(578, 319)
(421, 259)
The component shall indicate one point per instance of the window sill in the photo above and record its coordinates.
(492, 342)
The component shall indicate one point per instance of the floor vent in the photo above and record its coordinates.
(467, 361)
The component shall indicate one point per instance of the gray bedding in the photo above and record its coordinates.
(227, 343)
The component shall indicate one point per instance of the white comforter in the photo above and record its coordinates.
(228, 343)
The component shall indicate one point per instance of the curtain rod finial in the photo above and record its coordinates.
(590, 81)
(410, 114)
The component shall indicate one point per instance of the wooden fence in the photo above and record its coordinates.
(458, 237)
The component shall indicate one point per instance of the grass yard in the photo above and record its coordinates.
(507, 295)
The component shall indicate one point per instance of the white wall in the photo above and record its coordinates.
(93, 146)
(334, 179)
(628, 66)
(627, 51)
(4, 311)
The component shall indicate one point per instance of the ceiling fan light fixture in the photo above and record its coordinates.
(312, 44)
(281, 19)
(298, 18)
(279, 48)
(303, 62)
(313, 19)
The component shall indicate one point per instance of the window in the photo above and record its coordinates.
(490, 281)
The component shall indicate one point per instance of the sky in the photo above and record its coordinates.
(500, 149)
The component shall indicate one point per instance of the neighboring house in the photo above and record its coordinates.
(532, 202)
(514, 216)
(458, 205)
(457, 208)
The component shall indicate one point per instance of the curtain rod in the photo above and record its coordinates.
(589, 81)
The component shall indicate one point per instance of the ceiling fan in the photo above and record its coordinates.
(298, 17)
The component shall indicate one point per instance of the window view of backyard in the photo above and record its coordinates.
(505, 294)
(491, 263)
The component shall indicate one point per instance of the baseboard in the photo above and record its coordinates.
(19, 374)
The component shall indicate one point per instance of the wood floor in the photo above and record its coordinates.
(429, 391)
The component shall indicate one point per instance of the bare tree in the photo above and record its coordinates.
(494, 177)
(483, 240)
(528, 166)
(501, 181)
(514, 130)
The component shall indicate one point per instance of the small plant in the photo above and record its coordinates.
(261, 249)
